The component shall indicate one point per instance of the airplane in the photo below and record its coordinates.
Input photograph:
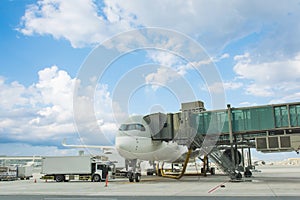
(134, 143)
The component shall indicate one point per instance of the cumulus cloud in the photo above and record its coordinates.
(214, 24)
(161, 77)
(37, 113)
(14, 91)
(174, 67)
(167, 72)
(43, 112)
(76, 21)
(269, 79)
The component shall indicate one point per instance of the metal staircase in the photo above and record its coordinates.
(208, 147)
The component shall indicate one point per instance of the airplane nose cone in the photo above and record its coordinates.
(124, 146)
(120, 144)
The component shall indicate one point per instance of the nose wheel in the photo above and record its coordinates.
(135, 172)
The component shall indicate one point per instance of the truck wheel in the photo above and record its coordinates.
(96, 178)
(130, 176)
(137, 177)
(59, 178)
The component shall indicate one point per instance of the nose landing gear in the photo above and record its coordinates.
(134, 174)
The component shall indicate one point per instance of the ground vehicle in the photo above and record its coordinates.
(8, 173)
(24, 172)
(65, 168)
(11, 173)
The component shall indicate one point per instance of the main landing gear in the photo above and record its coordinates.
(134, 177)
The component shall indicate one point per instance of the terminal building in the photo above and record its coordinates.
(36, 161)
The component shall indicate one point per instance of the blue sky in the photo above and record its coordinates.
(255, 48)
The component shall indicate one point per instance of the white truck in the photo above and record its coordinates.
(66, 168)
(25, 172)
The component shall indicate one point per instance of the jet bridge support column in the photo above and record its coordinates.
(247, 172)
(249, 158)
(230, 133)
(243, 158)
(205, 165)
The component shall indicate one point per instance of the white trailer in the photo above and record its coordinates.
(24, 172)
(65, 168)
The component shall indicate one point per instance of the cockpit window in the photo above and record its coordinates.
(129, 127)
(140, 127)
(123, 127)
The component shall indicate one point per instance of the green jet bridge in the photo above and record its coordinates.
(220, 133)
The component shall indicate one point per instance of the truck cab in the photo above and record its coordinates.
(101, 170)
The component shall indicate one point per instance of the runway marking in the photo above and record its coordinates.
(216, 187)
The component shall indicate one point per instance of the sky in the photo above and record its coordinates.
(149, 55)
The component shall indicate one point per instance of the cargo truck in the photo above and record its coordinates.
(66, 168)
(24, 172)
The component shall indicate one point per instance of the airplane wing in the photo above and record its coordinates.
(103, 148)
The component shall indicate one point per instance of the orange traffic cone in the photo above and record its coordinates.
(106, 180)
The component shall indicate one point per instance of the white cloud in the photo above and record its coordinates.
(163, 58)
(219, 87)
(259, 90)
(167, 72)
(223, 56)
(246, 103)
(294, 97)
(43, 112)
(14, 91)
(232, 85)
(213, 23)
(161, 77)
(172, 67)
(55, 89)
(77, 21)
(269, 79)
(30, 150)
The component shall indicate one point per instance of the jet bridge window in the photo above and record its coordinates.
(130, 127)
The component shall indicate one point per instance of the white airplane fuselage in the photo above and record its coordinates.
(133, 141)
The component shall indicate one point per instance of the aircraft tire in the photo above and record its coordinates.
(248, 174)
(238, 176)
(137, 177)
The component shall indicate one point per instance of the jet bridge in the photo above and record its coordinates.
(274, 128)
(268, 128)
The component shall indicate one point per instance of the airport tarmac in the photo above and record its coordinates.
(272, 181)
